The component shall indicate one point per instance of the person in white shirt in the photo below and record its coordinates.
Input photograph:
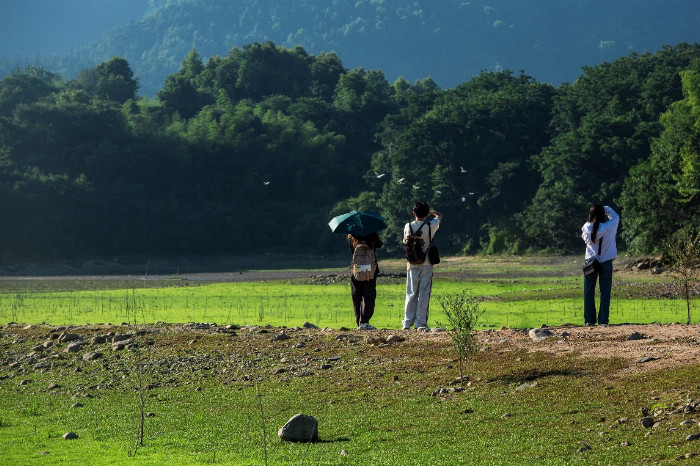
(599, 235)
(419, 278)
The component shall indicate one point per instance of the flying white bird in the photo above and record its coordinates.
(400, 180)
(416, 186)
(438, 192)
(379, 175)
(464, 198)
(462, 169)
(266, 183)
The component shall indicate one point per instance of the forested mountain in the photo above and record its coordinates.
(448, 40)
(255, 151)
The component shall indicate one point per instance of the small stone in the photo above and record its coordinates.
(622, 420)
(70, 436)
(92, 356)
(647, 422)
(692, 437)
(25, 382)
(42, 365)
(624, 444)
(437, 330)
(326, 366)
(299, 428)
(646, 359)
(343, 453)
(73, 347)
(539, 334)
(309, 325)
(635, 336)
(394, 339)
(584, 447)
(150, 414)
(64, 337)
(281, 337)
(77, 405)
(687, 422)
(53, 386)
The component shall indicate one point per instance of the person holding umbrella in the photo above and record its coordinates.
(361, 229)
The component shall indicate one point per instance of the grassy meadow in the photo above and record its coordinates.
(219, 396)
(515, 292)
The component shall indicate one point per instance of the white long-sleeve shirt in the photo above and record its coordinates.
(606, 232)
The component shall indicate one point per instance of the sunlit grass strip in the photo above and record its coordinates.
(510, 303)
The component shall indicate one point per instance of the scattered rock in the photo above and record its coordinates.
(281, 337)
(394, 339)
(73, 347)
(343, 453)
(647, 422)
(437, 329)
(77, 405)
(92, 356)
(25, 382)
(64, 337)
(538, 334)
(300, 428)
(121, 337)
(70, 436)
(584, 447)
(526, 385)
(446, 391)
(635, 336)
(42, 365)
(150, 414)
(647, 359)
(692, 437)
(309, 325)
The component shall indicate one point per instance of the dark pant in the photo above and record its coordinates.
(364, 294)
(605, 275)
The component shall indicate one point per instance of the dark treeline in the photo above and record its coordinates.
(257, 150)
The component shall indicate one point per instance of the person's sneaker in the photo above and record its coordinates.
(423, 328)
(366, 326)
(589, 325)
(406, 328)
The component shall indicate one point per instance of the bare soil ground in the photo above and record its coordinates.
(663, 346)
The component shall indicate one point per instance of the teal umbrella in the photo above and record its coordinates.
(357, 223)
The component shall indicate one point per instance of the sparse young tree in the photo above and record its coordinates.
(684, 257)
(462, 312)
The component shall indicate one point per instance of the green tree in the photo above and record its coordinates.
(662, 194)
(114, 80)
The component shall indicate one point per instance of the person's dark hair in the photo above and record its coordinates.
(421, 209)
(597, 216)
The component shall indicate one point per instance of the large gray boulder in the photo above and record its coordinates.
(300, 428)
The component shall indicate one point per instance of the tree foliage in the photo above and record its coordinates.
(257, 150)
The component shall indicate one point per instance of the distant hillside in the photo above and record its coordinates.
(449, 40)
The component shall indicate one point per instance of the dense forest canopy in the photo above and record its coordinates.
(257, 150)
(448, 40)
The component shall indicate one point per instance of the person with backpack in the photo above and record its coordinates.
(363, 279)
(417, 238)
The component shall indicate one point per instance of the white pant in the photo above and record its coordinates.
(419, 284)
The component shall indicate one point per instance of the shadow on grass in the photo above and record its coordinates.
(530, 375)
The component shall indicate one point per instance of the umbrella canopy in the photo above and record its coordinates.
(357, 223)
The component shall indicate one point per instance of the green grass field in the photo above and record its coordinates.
(514, 294)
(219, 397)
